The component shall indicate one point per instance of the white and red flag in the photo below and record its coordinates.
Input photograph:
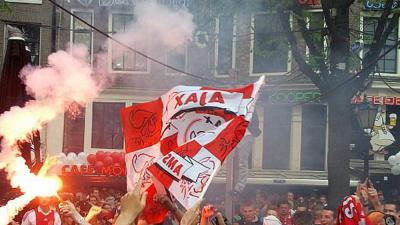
(181, 139)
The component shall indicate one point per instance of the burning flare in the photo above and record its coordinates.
(67, 80)
(40, 185)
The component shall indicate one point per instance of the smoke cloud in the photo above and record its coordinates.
(155, 29)
(69, 80)
(66, 80)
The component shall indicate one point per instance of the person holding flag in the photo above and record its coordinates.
(178, 142)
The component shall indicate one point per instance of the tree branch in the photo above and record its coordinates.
(327, 14)
(373, 54)
(349, 3)
(304, 67)
(382, 21)
(314, 51)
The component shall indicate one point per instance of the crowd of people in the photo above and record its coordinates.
(109, 206)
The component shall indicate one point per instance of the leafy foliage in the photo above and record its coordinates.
(4, 7)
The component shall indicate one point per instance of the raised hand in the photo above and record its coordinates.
(132, 204)
(373, 196)
(68, 209)
(192, 215)
(93, 211)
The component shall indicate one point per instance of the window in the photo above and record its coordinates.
(270, 49)
(277, 127)
(388, 64)
(177, 59)
(74, 132)
(124, 59)
(224, 45)
(313, 137)
(106, 125)
(32, 39)
(81, 33)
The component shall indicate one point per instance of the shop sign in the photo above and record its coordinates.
(294, 96)
(91, 170)
(378, 4)
(378, 100)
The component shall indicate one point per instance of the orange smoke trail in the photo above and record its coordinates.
(66, 80)
(40, 185)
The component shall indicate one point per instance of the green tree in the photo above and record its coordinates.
(330, 67)
(333, 77)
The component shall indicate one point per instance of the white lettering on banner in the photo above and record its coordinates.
(188, 192)
(180, 167)
(179, 101)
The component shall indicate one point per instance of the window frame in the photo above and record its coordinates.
(71, 35)
(361, 53)
(252, 35)
(128, 99)
(326, 134)
(110, 47)
(216, 45)
(87, 144)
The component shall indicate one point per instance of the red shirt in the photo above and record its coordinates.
(42, 219)
(286, 220)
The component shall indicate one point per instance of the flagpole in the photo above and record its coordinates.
(229, 187)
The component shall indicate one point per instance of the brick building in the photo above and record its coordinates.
(293, 146)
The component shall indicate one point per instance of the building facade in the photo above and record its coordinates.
(34, 18)
(230, 48)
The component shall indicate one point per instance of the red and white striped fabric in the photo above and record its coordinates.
(183, 137)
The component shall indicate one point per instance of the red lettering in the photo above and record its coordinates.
(165, 159)
(397, 101)
(191, 98)
(376, 100)
(83, 169)
(217, 97)
(64, 169)
(369, 98)
(117, 171)
(388, 100)
(106, 170)
(356, 100)
(177, 169)
(179, 101)
(172, 162)
(74, 170)
(91, 170)
(203, 98)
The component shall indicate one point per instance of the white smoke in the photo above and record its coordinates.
(69, 80)
(156, 28)
(66, 80)
(13, 207)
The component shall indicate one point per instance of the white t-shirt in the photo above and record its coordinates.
(30, 217)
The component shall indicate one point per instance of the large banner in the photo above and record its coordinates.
(180, 140)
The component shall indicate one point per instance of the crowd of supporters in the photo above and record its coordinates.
(107, 206)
